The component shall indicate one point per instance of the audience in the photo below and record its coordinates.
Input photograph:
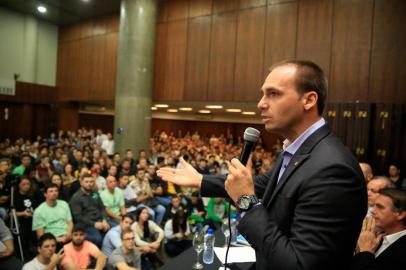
(81, 167)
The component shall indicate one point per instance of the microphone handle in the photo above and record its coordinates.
(246, 151)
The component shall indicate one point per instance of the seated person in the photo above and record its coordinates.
(113, 200)
(196, 212)
(217, 209)
(82, 254)
(126, 256)
(145, 196)
(174, 207)
(46, 258)
(7, 259)
(176, 232)
(53, 216)
(148, 234)
(89, 211)
(112, 239)
(379, 251)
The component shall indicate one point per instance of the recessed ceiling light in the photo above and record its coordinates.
(161, 105)
(233, 110)
(172, 110)
(204, 111)
(249, 113)
(42, 9)
(86, 1)
(154, 108)
(214, 107)
(185, 109)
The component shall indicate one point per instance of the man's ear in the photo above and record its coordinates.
(401, 215)
(310, 100)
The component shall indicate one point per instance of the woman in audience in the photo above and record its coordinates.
(67, 176)
(176, 233)
(64, 193)
(148, 234)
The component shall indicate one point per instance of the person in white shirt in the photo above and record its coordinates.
(46, 258)
(108, 144)
(383, 250)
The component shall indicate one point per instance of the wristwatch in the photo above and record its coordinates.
(246, 202)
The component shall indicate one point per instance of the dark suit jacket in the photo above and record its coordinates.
(312, 218)
(392, 258)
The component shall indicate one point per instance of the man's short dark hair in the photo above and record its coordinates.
(127, 216)
(45, 237)
(85, 175)
(309, 77)
(78, 228)
(398, 198)
(49, 185)
(124, 233)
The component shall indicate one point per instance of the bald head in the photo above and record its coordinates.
(374, 186)
(367, 171)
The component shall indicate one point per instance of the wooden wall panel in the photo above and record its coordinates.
(388, 71)
(314, 32)
(197, 58)
(160, 61)
(350, 50)
(104, 122)
(280, 36)
(97, 63)
(270, 2)
(249, 54)
(68, 116)
(251, 3)
(110, 66)
(200, 8)
(175, 61)
(222, 57)
(224, 6)
(163, 11)
(178, 9)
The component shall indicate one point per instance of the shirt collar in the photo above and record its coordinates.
(292, 147)
(391, 238)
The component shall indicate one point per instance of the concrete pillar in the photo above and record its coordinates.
(135, 71)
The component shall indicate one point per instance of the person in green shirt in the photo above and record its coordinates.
(53, 216)
(25, 163)
(113, 200)
(217, 209)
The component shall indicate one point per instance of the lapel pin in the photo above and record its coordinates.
(297, 162)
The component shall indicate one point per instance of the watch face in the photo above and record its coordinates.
(244, 203)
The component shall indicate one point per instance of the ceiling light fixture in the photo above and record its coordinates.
(233, 110)
(42, 9)
(214, 106)
(185, 109)
(161, 105)
(204, 111)
(249, 113)
(172, 110)
(153, 108)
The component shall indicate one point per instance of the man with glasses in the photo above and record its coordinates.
(127, 255)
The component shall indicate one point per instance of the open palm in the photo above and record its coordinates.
(186, 176)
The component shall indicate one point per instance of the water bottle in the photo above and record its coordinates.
(208, 249)
(233, 229)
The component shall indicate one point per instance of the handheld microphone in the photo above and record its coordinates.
(251, 136)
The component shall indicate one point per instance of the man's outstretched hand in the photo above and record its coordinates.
(186, 176)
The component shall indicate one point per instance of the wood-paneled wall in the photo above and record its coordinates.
(87, 60)
(221, 50)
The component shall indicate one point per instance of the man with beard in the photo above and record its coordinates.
(46, 258)
(126, 256)
(89, 211)
(82, 254)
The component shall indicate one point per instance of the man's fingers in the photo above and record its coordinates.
(364, 224)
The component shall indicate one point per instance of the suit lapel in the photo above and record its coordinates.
(273, 179)
(297, 160)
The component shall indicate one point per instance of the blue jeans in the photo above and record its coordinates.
(94, 236)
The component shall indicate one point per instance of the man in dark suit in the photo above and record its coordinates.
(312, 202)
(383, 250)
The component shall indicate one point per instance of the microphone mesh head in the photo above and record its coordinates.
(251, 134)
